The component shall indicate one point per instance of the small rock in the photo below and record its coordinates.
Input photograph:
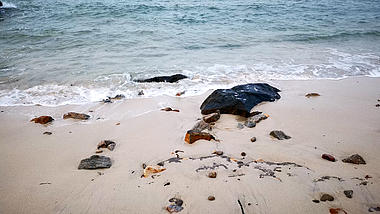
(140, 93)
(312, 95)
(180, 93)
(174, 208)
(171, 79)
(48, 133)
(210, 118)
(152, 170)
(373, 209)
(78, 116)
(337, 211)
(253, 120)
(211, 198)
(279, 135)
(212, 175)
(243, 154)
(98, 151)
(250, 124)
(315, 201)
(117, 124)
(377, 105)
(192, 136)
(328, 157)
(253, 139)
(143, 165)
(327, 197)
(169, 109)
(348, 193)
(107, 144)
(367, 176)
(95, 162)
(118, 97)
(201, 125)
(161, 163)
(240, 126)
(167, 184)
(218, 152)
(42, 119)
(355, 159)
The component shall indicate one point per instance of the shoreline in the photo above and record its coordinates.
(342, 121)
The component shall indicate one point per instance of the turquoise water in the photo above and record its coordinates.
(60, 52)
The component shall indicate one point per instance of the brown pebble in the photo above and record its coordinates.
(328, 157)
(211, 198)
(212, 175)
(117, 124)
(218, 152)
(243, 154)
(253, 139)
(98, 151)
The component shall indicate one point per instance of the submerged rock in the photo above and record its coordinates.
(328, 157)
(348, 193)
(107, 144)
(210, 118)
(42, 119)
(327, 197)
(312, 95)
(171, 79)
(95, 162)
(193, 135)
(77, 116)
(355, 159)
(240, 99)
(279, 135)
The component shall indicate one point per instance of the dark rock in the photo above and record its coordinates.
(327, 197)
(377, 105)
(174, 208)
(180, 93)
(315, 201)
(48, 133)
(171, 79)
(367, 176)
(337, 211)
(240, 126)
(355, 159)
(167, 184)
(240, 99)
(211, 198)
(140, 93)
(1, 4)
(212, 175)
(373, 209)
(279, 135)
(169, 109)
(250, 124)
(253, 120)
(107, 100)
(218, 152)
(78, 116)
(42, 119)
(312, 95)
(243, 154)
(95, 162)
(192, 136)
(200, 126)
(118, 97)
(143, 165)
(213, 117)
(98, 151)
(348, 193)
(253, 139)
(328, 157)
(107, 144)
(176, 201)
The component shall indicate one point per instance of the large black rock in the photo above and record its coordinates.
(172, 79)
(95, 162)
(240, 99)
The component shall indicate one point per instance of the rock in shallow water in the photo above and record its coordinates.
(74, 115)
(95, 162)
(171, 79)
(240, 99)
(279, 135)
(42, 119)
(355, 159)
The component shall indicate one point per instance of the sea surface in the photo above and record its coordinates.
(56, 52)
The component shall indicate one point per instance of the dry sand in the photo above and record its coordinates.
(342, 121)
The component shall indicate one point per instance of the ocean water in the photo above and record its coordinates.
(77, 51)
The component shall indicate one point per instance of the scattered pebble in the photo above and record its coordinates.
(373, 209)
(377, 105)
(98, 151)
(218, 152)
(176, 205)
(48, 133)
(167, 184)
(328, 157)
(327, 197)
(212, 175)
(240, 126)
(77, 116)
(253, 139)
(107, 144)
(355, 159)
(243, 154)
(337, 211)
(42, 119)
(312, 95)
(117, 124)
(180, 93)
(280, 135)
(140, 93)
(315, 201)
(143, 165)
(211, 198)
(348, 193)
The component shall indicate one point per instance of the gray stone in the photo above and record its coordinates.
(355, 159)
(240, 126)
(327, 197)
(279, 135)
(348, 193)
(250, 124)
(95, 162)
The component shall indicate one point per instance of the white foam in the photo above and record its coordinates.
(8, 5)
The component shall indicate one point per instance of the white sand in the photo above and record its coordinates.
(342, 121)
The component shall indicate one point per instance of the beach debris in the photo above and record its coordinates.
(95, 162)
(212, 174)
(241, 207)
(47, 133)
(218, 152)
(77, 116)
(240, 99)
(279, 135)
(240, 126)
(326, 197)
(253, 139)
(348, 193)
(140, 93)
(315, 201)
(210, 118)
(143, 165)
(171, 79)
(337, 211)
(327, 177)
(42, 119)
(175, 206)
(107, 144)
(180, 93)
(167, 184)
(193, 135)
(355, 159)
(117, 124)
(328, 157)
(374, 209)
(253, 120)
(312, 95)
(211, 198)
(169, 109)
(44, 183)
(243, 154)
(148, 170)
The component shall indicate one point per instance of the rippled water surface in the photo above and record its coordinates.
(59, 52)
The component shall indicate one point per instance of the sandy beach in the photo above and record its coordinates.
(39, 173)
